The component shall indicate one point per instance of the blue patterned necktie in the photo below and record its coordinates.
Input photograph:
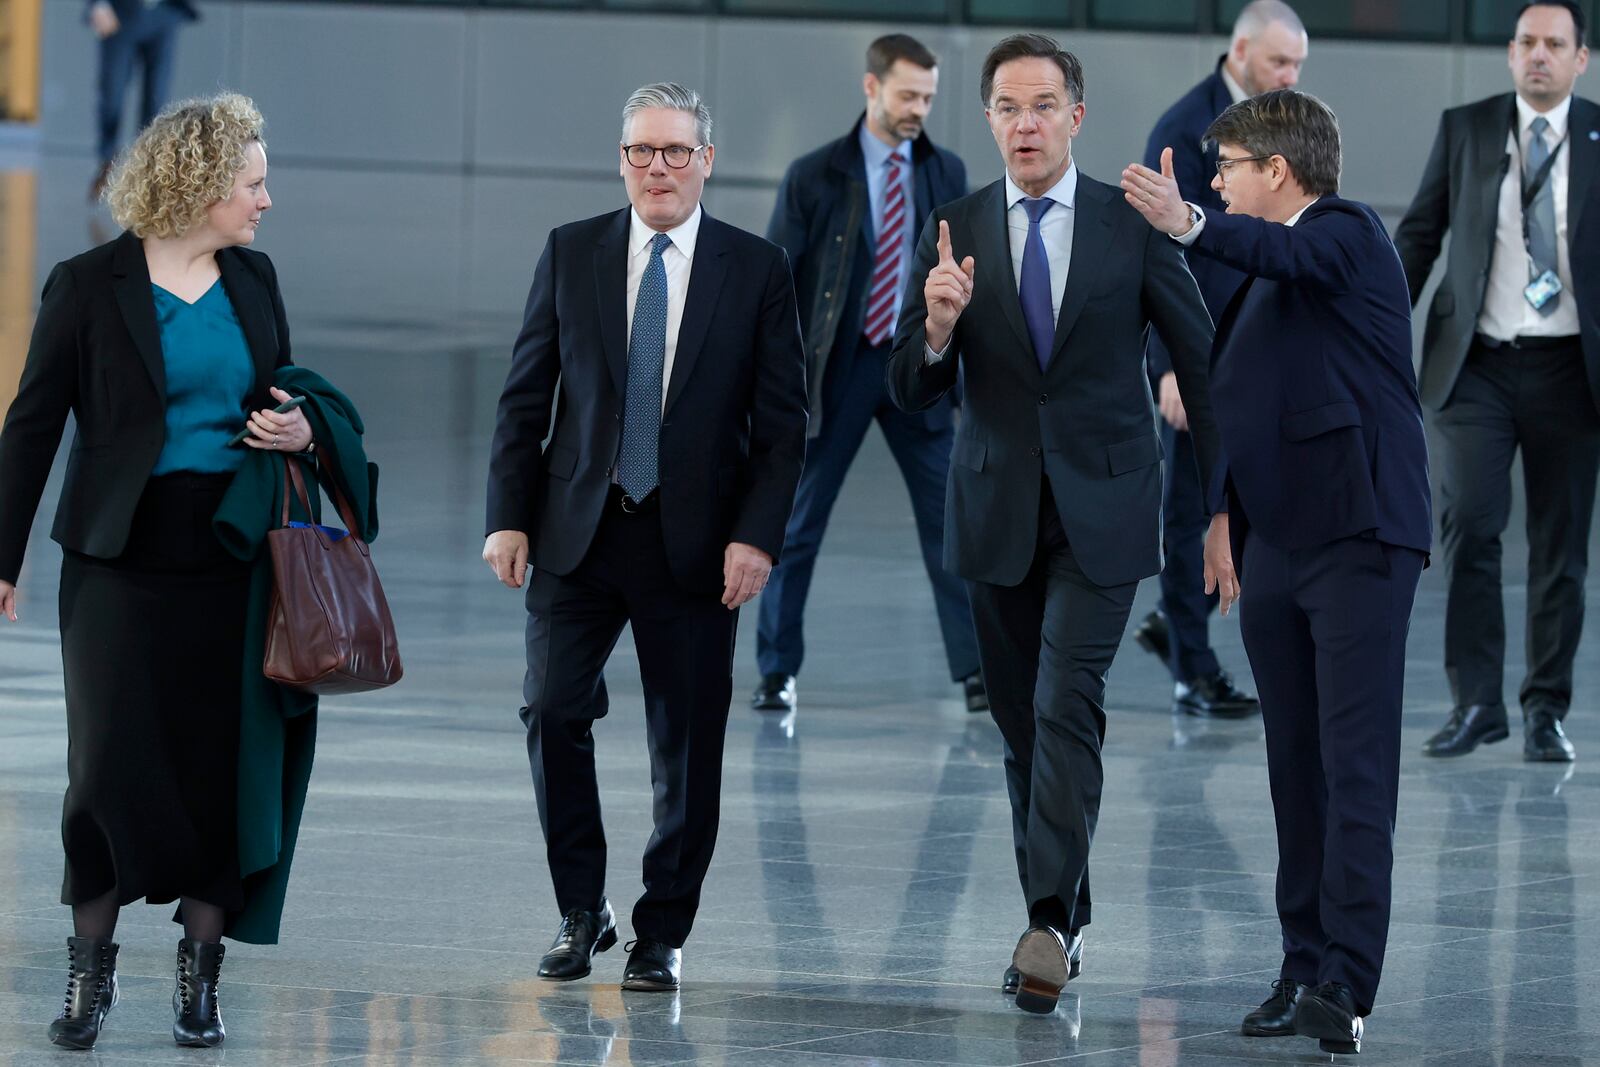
(639, 466)
(1542, 212)
(1034, 289)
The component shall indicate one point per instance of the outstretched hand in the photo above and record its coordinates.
(1156, 196)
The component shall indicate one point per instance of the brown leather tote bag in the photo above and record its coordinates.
(328, 628)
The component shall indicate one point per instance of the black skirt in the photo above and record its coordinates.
(153, 647)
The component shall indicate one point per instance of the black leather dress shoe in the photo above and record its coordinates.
(1543, 740)
(973, 689)
(1045, 960)
(1152, 636)
(775, 693)
(653, 967)
(1213, 696)
(1328, 1013)
(1275, 1017)
(1470, 725)
(582, 934)
(1012, 979)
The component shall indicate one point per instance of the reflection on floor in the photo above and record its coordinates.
(863, 901)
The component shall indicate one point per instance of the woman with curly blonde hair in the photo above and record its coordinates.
(163, 344)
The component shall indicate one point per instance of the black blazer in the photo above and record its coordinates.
(1086, 422)
(1313, 386)
(96, 352)
(823, 219)
(1460, 193)
(733, 431)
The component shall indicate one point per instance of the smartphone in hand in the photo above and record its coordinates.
(288, 405)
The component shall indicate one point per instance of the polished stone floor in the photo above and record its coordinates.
(863, 900)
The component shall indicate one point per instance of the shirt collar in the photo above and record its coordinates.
(1296, 216)
(683, 235)
(1063, 192)
(1557, 116)
(1235, 90)
(876, 153)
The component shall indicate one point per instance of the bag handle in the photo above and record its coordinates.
(291, 474)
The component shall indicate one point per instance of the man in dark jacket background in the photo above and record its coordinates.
(847, 214)
(1267, 51)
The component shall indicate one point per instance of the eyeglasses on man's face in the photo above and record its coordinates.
(676, 155)
(1010, 114)
(1224, 164)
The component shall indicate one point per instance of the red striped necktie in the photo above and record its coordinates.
(883, 296)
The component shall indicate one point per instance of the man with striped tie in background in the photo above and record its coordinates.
(847, 214)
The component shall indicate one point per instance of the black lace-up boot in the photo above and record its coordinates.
(196, 1012)
(91, 991)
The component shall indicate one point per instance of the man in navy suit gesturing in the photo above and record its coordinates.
(1321, 495)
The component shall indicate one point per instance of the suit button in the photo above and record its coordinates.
(1043, 399)
(838, 238)
(1035, 451)
(827, 294)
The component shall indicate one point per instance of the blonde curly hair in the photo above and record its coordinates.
(182, 163)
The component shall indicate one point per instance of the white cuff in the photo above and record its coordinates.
(1193, 234)
(930, 357)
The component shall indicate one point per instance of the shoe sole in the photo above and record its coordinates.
(1490, 738)
(1547, 757)
(1247, 1030)
(641, 985)
(1332, 1037)
(607, 940)
(1074, 968)
(1220, 711)
(770, 705)
(195, 1042)
(1044, 970)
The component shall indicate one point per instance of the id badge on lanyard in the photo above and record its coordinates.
(1543, 286)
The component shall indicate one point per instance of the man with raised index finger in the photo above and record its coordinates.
(1038, 290)
(660, 354)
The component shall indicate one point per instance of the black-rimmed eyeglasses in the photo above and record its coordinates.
(1224, 164)
(676, 155)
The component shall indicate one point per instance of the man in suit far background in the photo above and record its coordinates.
(1037, 292)
(847, 214)
(666, 346)
(1511, 362)
(130, 32)
(1268, 49)
(1321, 500)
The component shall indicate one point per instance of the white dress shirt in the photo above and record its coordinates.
(677, 259)
(1506, 312)
(1235, 90)
(1055, 230)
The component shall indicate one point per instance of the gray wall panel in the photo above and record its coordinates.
(510, 221)
(550, 88)
(358, 83)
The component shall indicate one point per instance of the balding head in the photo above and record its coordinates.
(1269, 46)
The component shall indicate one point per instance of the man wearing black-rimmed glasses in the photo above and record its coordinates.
(1511, 362)
(660, 353)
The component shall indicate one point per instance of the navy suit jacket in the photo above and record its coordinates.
(1312, 382)
(823, 219)
(734, 427)
(1194, 165)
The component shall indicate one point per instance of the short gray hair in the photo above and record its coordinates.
(1259, 14)
(1288, 123)
(672, 97)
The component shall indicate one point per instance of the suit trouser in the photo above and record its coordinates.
(1325, 629)
(854, 398)
(147, 40)
(1046, 644)
(685, 647)
(1183, 587)
(1540, 402)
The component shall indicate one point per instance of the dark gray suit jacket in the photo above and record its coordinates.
(1086, 421)
(1460, 193)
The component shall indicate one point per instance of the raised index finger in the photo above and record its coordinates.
(945, 255)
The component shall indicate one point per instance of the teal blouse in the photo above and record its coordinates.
(209, 376)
